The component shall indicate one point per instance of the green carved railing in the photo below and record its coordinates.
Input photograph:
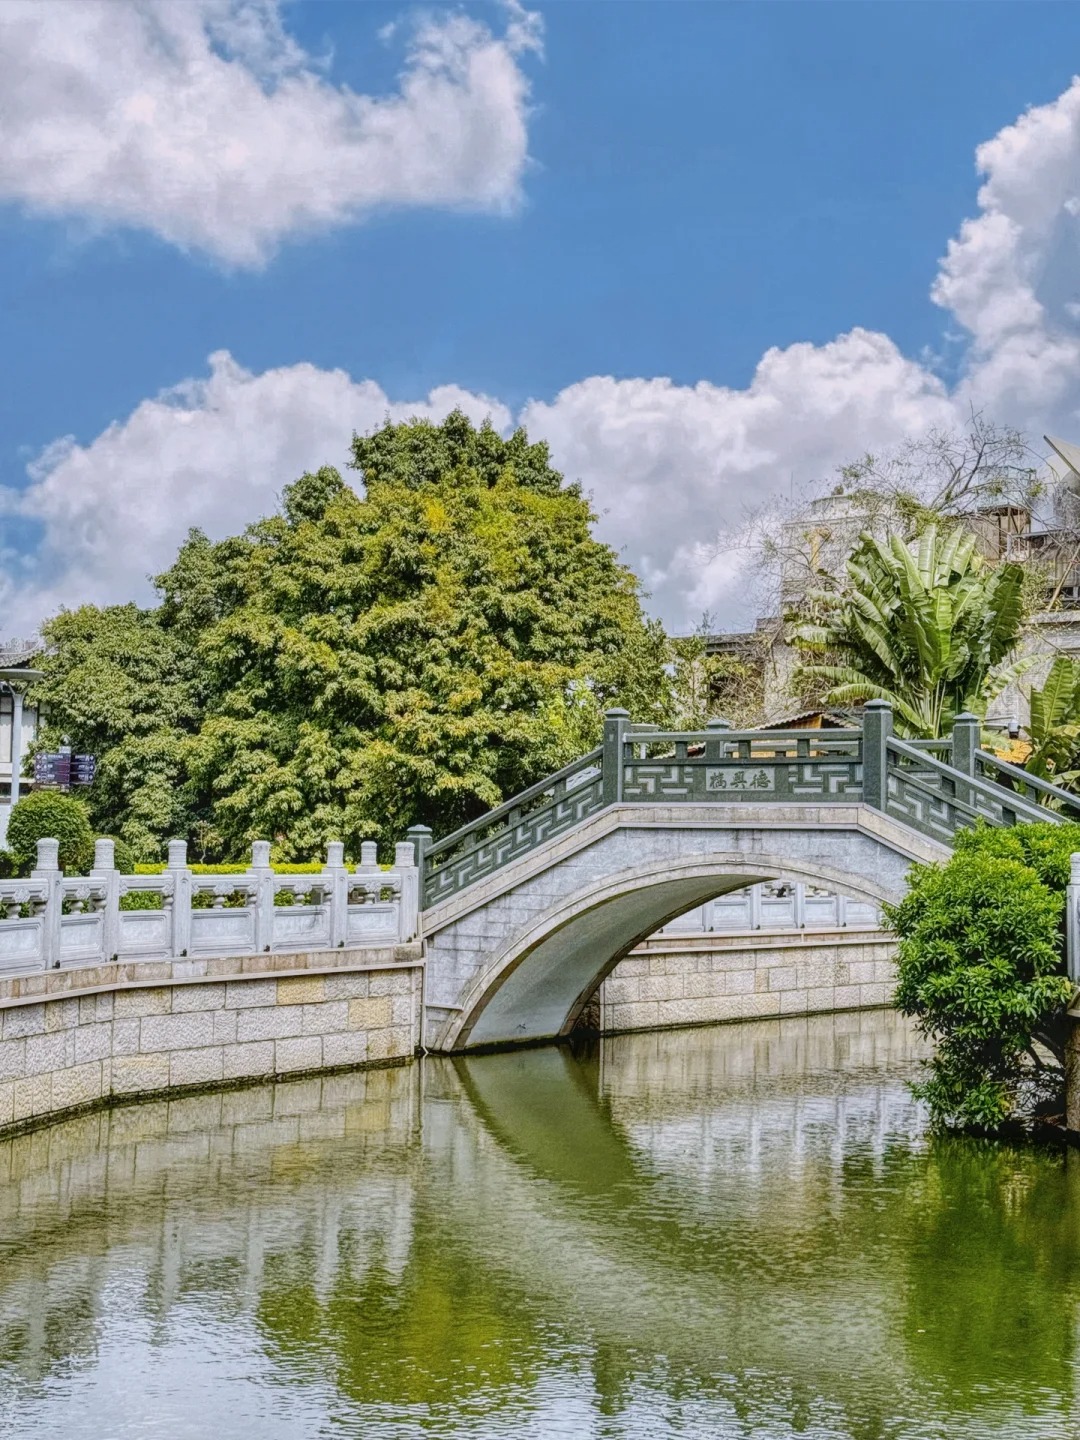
(935, 786)
(546, 809)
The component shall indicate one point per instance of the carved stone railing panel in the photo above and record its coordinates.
(937, 799)
(753, 781)
(53, 920)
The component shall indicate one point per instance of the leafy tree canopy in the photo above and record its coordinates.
(120, 682)
(358, 663)
(981, 964)
(924, 626)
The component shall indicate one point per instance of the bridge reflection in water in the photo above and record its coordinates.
(731, 1232)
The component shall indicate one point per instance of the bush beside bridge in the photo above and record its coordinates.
(981, 965)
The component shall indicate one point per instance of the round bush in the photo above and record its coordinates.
(51, 815)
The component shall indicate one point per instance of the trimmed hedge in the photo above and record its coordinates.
(981, 962)
(309, 867)
(51, 815)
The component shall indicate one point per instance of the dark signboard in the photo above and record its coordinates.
(83, 769)
(61, 769)
(52, 769)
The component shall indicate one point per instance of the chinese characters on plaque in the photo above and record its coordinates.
(748, 778)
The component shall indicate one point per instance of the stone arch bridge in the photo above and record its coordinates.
(528, 908)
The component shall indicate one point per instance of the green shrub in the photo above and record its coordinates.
(51, 815)
(142, 900)
(312, 867)
(981, 966)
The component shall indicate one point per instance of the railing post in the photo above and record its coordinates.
(714, 749)
(336, 895)
(966, 733)
(419, 836)
(755, 907)
(616, 724)
(105, 871)
(798, 908)
(48, 872)
(876, 729)
(261, 872)
(409, 893)
(1072, 920)
(177, 867)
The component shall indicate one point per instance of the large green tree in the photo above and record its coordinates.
(361, 661)
(925, 625)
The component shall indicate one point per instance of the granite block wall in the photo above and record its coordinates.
(698, 980)
(67, 1046)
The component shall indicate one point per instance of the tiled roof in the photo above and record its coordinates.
(15, 653)
(840, 718)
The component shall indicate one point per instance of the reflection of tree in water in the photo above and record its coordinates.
(445, 1334)
(807, 1259)
(991, 1268)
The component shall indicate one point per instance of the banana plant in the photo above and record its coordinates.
(1054, 726)
(927, 626)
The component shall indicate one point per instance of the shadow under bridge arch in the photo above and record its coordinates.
(534, 985)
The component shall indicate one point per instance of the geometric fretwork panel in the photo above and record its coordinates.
(935, 815)
(493, 851)
(759, 781)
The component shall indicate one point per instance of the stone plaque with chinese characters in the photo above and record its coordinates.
(745, 779)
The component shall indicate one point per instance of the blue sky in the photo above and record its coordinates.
(645, 191)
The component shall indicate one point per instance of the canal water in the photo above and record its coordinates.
(741, 1231)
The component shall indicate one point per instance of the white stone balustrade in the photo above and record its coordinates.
(52, 920)
(776, 907)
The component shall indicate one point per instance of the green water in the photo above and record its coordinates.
(734, 1232)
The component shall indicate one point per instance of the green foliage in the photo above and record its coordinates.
(359, 663)
(925, 629)
(1054, 726)
(121, 683)
(142, 900)
(981, 967)
(51, 815)
(292, 867)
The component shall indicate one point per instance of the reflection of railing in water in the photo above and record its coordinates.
(358, 1198)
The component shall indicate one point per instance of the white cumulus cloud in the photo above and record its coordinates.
(212, 453)
(207, 124)
(670, 466)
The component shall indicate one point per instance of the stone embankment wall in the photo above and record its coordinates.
(698, 980)
(73, 1039)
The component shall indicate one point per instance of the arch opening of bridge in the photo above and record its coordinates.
(533, 986)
